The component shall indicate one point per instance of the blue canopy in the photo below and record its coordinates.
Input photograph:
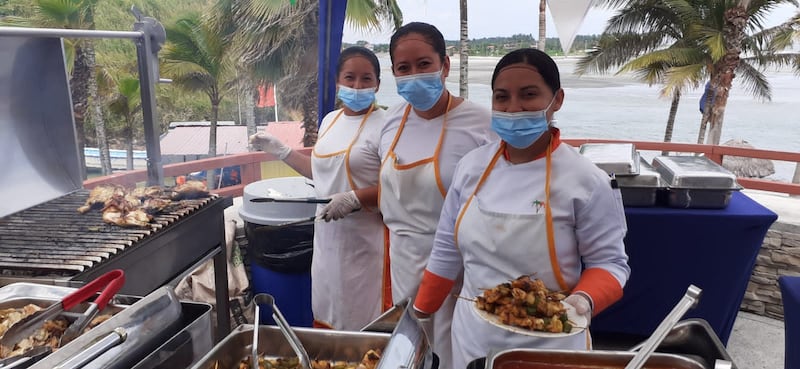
(331, 24)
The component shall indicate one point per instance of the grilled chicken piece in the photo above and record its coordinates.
(154, 205)
(190, 190)
(150, 192)
(99, 195)
(9, 317)
(137, 218)
(114, 215)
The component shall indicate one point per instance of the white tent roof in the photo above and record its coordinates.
(568, 15)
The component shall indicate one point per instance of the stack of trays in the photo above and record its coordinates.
(638, 182)
(617, 159)
(696, 182)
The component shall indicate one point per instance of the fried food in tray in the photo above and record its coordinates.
(48, 335)
(135, 208)
(526, 303)
(368, 361)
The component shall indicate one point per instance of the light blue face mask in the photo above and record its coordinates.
(421, 90)
(356, 99)
(521, 129)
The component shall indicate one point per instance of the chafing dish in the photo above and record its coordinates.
(695, 182)
(387, 321)
(620, 159)
(643, 188)
(559, 359)
(321, 344)
(146, 323)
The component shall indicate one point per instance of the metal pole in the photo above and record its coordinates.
(68, 33)
(147, 78)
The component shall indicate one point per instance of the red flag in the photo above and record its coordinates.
(266, 95)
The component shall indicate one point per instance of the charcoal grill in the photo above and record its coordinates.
(43, 239)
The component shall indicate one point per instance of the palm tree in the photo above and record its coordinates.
(542, 25)
(127, 103)
(463, 56)
(274, 38)
(198, 58)
(689, 41)
(72, 14)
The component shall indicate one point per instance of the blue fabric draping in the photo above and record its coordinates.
(790, 293)
(331, 25)
(669, 249)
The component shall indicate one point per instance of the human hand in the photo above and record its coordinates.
(270, 144)
(582, 304)
(340, 206)
(425, 322)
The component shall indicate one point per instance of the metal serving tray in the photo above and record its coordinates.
(188, 345)
(321, 344)
(620, 159)
(147, 324)
(558, 359)
(641, 190)
(693, 337)
(387, 322)
(694, 172)
(696, 182)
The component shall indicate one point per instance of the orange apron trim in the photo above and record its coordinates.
(320, 325)
(387, 274)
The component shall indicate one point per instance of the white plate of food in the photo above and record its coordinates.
(577, 322)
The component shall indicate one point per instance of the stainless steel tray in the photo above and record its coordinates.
(148, 323)
(614, 158)
(322, 344)
(557, 359)
(641, 190)
(694, 172)
(694, 337)
(187, 346)
(387, 321)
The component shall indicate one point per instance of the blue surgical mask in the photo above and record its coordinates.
(356, 99)
(421, 90)
(520, 129)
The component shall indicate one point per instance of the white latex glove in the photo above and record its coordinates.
(270, 144)
(582, 304)
(340, 206)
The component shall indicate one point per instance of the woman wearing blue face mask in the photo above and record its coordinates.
(347, 270)
(421, 143)
(528, 205)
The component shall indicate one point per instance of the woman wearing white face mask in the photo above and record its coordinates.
(349, 286)
(528, 205)
(421, 143)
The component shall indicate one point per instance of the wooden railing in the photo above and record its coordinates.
(251, 164)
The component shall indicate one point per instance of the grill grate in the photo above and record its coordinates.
(54, 239)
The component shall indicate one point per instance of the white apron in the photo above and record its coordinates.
(411, 205)
(498, 247)
(347, 270)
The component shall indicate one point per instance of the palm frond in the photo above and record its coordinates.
(754, 81)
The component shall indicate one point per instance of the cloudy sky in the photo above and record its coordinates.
(489, 18)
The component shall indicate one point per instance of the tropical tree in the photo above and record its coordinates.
(685, 42)
(127, 103)
(463, 56)
(198, 58)
(72, 14)
(274, 38)
(541, 43)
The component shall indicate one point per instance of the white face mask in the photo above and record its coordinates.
(421, 90)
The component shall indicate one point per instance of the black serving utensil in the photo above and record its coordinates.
(305, 200)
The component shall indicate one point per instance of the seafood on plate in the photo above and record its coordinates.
(526, 303)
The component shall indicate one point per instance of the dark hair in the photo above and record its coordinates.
(429, 32)
(354, 51)
(538, 59)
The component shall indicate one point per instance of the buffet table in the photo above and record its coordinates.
(669, 249)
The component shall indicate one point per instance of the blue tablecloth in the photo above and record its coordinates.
(669, 249)
(790, 292)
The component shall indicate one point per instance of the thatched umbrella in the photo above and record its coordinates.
(746, 167)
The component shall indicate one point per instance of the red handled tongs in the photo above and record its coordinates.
(109, 283)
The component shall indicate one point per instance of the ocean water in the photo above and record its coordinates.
(619, 107)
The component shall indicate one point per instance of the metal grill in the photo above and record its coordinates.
(53, 239)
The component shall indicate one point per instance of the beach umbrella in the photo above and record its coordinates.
(746, 167)
(568, 15)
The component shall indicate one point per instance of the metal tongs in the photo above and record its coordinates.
(25, 359)
(304, 200)
(109, 283)
(297, 346)
(688, 301)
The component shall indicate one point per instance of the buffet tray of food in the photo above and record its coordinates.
(643, 189)
(560, 359)
(129, 329)
(619, 159)
(349, 350)
(696, 182)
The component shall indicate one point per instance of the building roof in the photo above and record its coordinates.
(193, 140)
